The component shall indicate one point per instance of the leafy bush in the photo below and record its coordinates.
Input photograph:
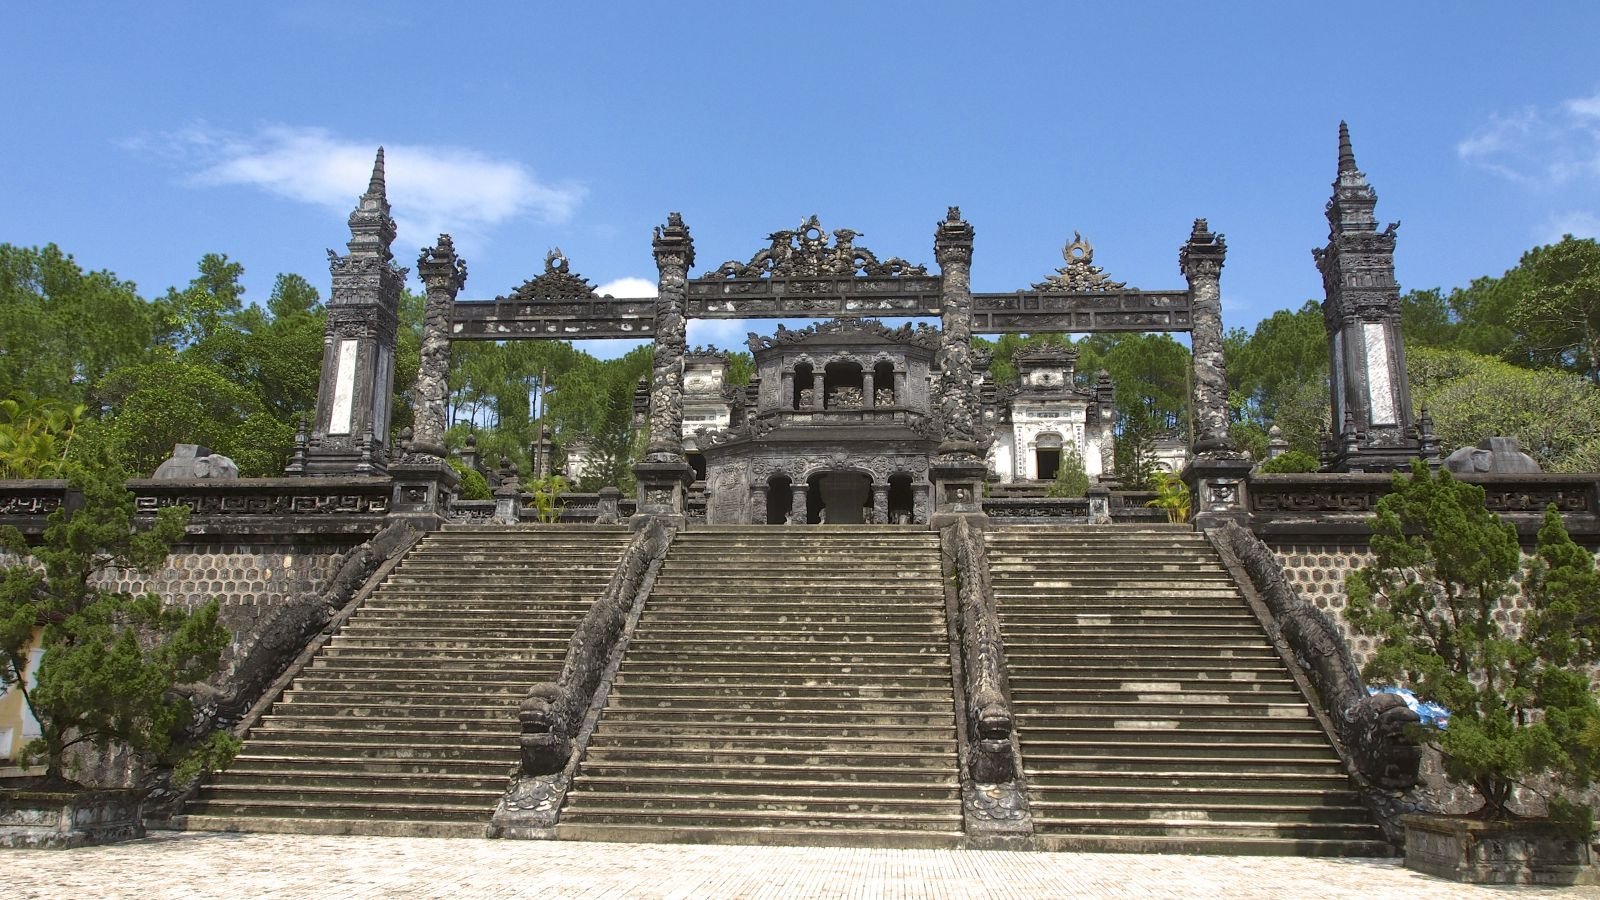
(1172, 495)
(474, 486)
(1071, 480)
(1520, 699)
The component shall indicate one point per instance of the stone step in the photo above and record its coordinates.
(255, 821)
(757, 777)
(781, 680)
(1282, 830)
(399, 742)
(475, 811)
(412, 656)
(911, 804)
(1134, 761)
(380, 781)
(935, 758)
(711, 739)
(788, 835)
(1310, 809)
(762, 820)
(911, 796)
(740, 694)
(295, 765)
(1041, 748)
(1043, 781)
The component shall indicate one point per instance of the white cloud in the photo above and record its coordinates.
(628, 287)
(727, 334)
(1543, 147)
(1577, 224)
(432, 189)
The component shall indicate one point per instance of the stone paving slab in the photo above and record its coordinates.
(195, 865)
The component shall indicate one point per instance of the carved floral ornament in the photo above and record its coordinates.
(557, 283)
(1080, 274)
(918, 335)
(804, 253)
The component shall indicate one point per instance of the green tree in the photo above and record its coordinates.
(1555, 416)
(111, 659)
(1278, 375)
(62, 329)
(1071, 479)
(1435, 596)
(1291, 462)
(36, 436)
(1560, 314)
(170, 400)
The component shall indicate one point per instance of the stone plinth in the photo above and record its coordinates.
(663, 490)
(60, 820)
(1530, 852)
(423, 489)
(1217, 484)
(958, 487)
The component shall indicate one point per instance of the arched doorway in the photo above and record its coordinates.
(902, 503)
(839, 498)
(780, 499)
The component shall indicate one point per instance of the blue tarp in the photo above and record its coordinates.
(1431, 713)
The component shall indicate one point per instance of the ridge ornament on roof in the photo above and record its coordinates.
(804, 253)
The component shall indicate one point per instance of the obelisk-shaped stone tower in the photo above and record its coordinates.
(1372, 422)
(351, 432)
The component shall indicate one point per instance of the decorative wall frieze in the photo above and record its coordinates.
(1080, 274)
(919, 334)
(804, 252)
(556, 284)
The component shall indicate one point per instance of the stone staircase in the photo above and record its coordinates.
(405, 723)
(784, 685)
(1153, 712)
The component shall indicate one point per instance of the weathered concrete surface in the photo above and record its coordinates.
(263, 865)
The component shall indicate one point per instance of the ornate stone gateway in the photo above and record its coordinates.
(800, 273)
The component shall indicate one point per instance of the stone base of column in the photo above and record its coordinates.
(664, 481)
(610, 512)
(957, 487)
(1217, 489)
(423, 488)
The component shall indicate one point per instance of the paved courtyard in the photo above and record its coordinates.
(259, 865)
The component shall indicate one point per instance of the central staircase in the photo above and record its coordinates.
(1154, 714)
(406, 722)
(784, 685)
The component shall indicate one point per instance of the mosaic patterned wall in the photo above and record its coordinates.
(251, 581)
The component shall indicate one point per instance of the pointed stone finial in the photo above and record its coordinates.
(1347, 153)
(375, 187)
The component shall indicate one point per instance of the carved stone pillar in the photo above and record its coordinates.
(1201, 261)
(798, 513)
(880, 503)
(1216, 474)
(350, 434)
(786, 390)
(900, 387)
(959, 469)
(665, 474)
(867, 387)
(758, 503)
(817, 398)
(444, 274)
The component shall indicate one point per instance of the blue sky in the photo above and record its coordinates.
(146, 135)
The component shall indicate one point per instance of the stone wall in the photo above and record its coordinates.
(253, 582)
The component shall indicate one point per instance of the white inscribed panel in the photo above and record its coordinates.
(344, 389)
(1380, 392)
